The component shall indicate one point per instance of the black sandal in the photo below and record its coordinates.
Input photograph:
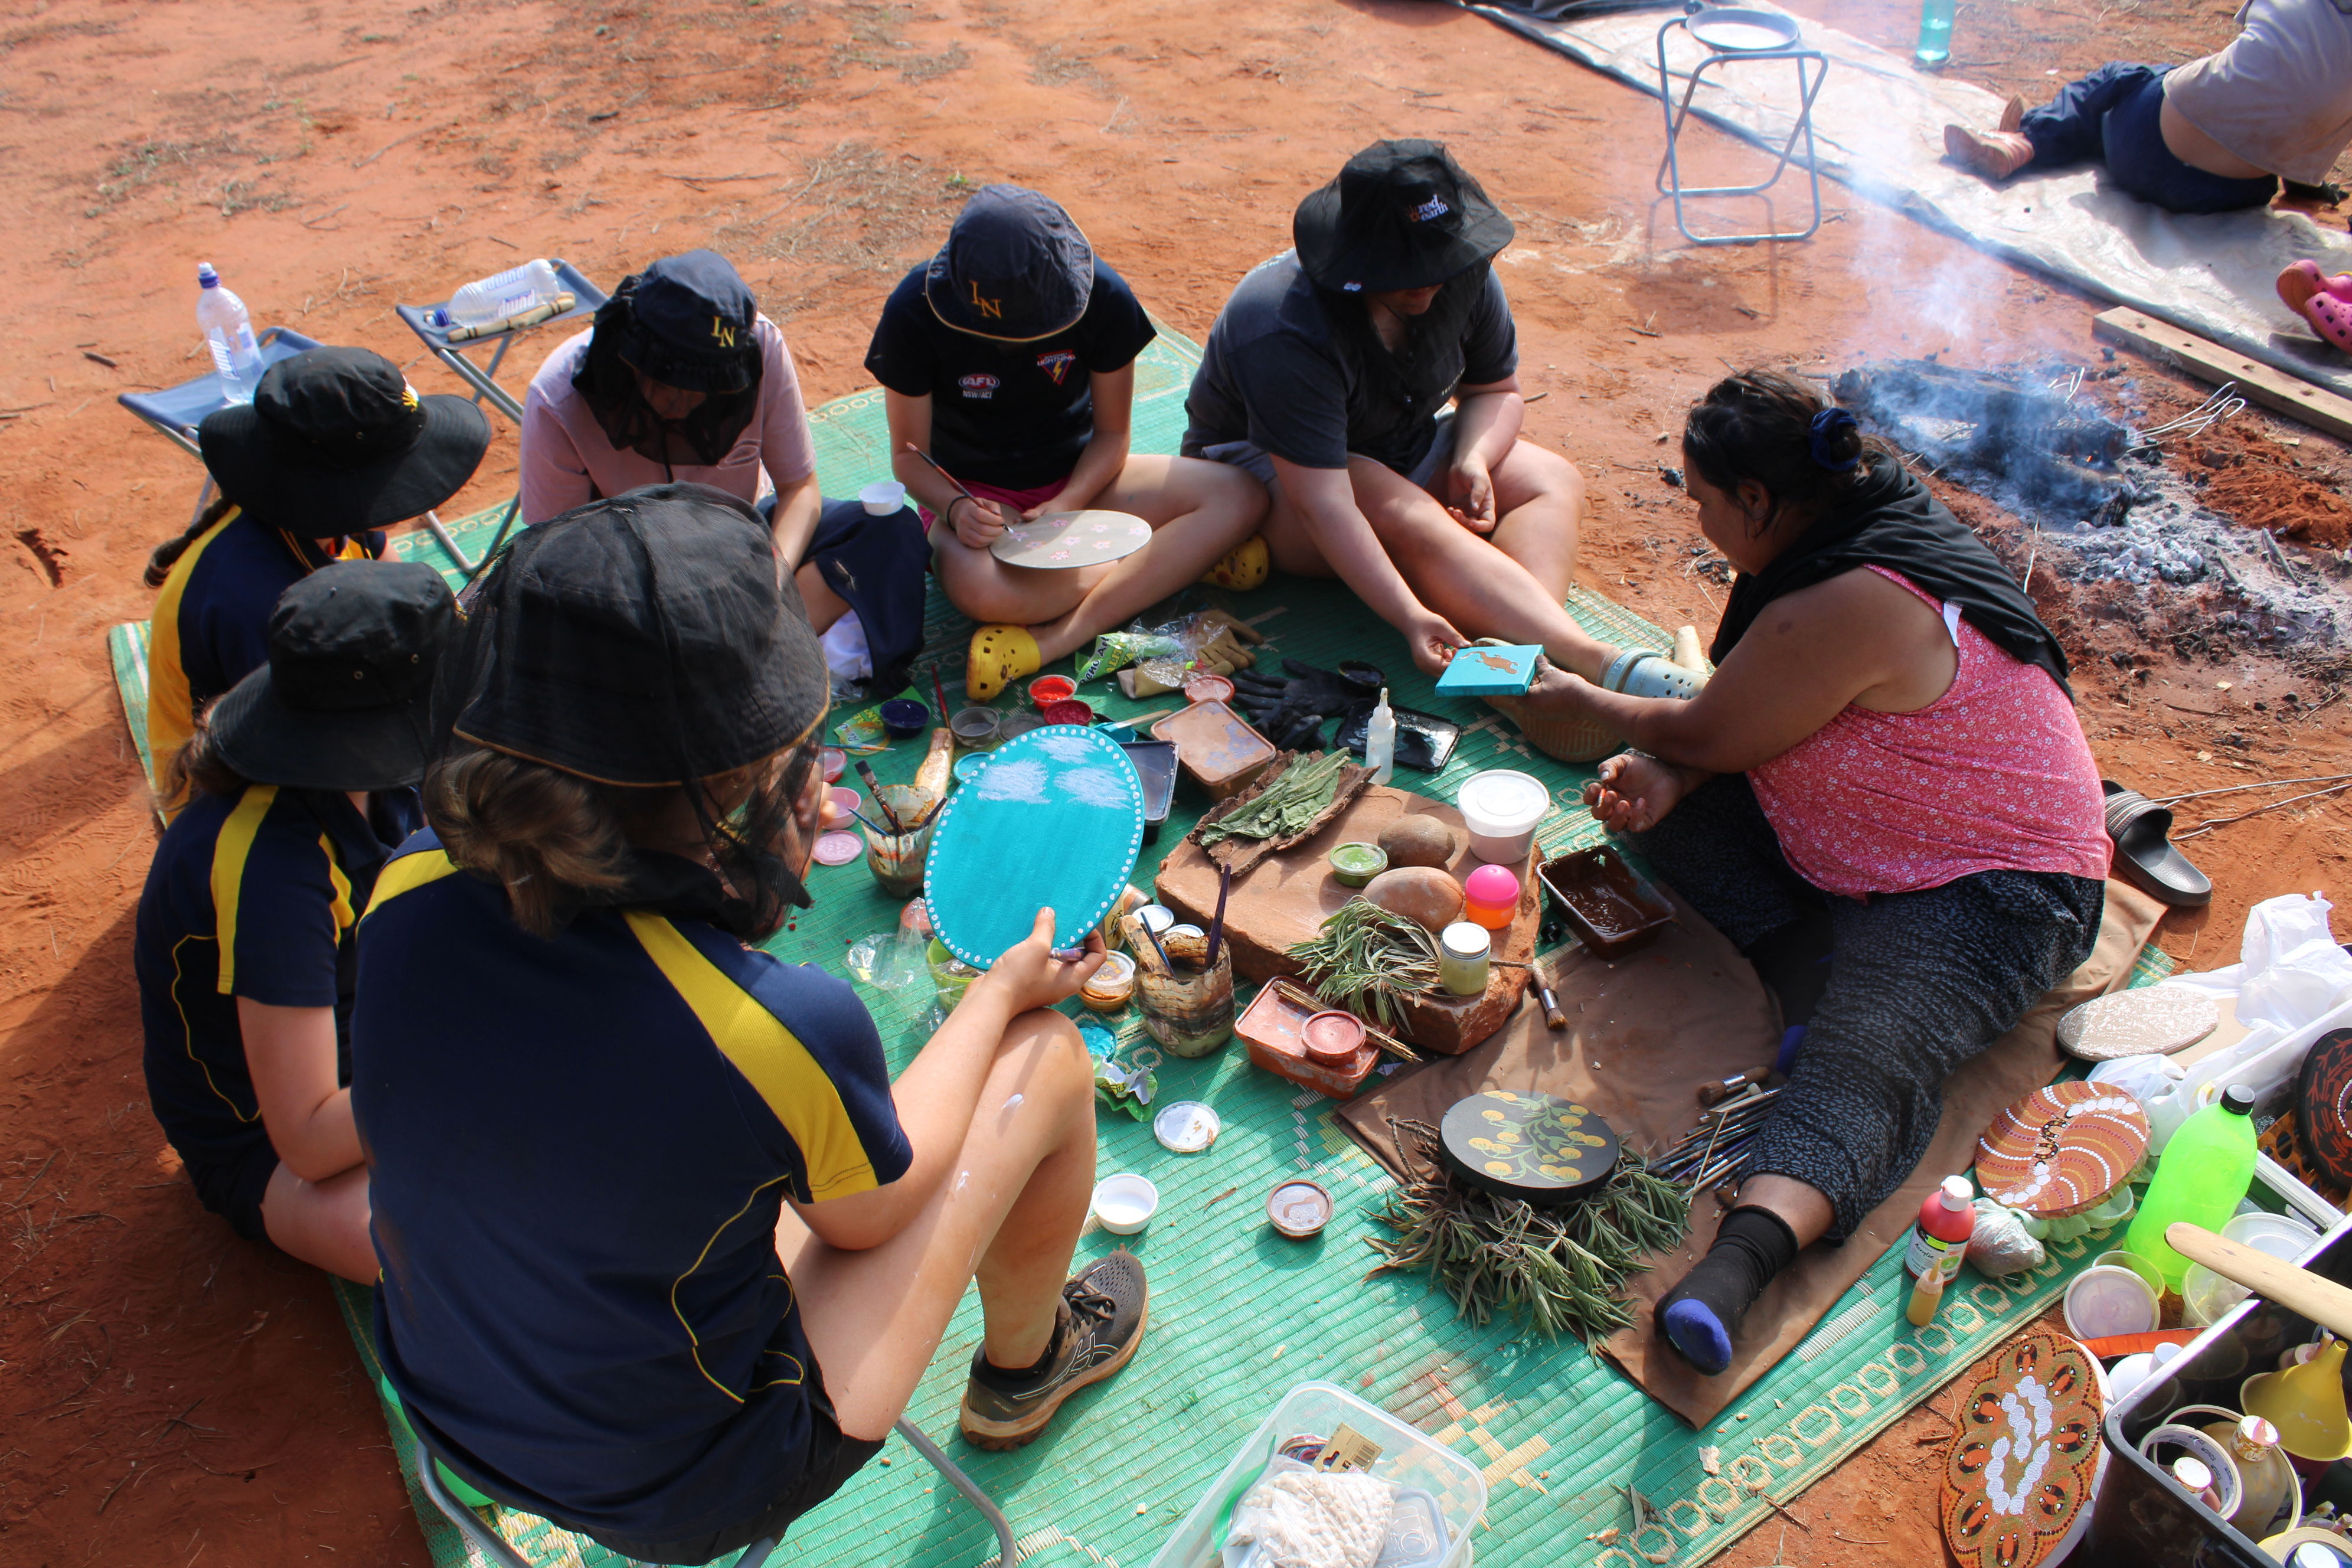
(2144, 853)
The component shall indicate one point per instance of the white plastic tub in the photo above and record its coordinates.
(1408, 1457)
(1501, 807)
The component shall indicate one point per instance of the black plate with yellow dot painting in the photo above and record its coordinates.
(1536, 1148)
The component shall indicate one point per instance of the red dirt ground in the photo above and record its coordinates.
(169, 1393)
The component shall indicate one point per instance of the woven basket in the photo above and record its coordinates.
(1565, 739)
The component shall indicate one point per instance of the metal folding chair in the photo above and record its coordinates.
(484, 378)
(490, 1544)
(176, 411)
(1739, 36)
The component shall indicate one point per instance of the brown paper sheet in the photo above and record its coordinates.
(1645, 1032)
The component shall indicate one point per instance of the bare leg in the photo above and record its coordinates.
(1009, 1216)
(1805, 1209)
(1507, 584)
(824, 605)
(1198, 512)
(322, 1223)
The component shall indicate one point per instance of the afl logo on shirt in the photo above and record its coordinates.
(1057, 363)
(980, 385)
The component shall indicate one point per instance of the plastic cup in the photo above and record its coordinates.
(1501, 807)
(2102, 1301)
(2135, 1263)
(976, 728)
(897, 858)
(1124, 1204)
(1048, 690)
(1070, 711)
(882, 498)
(904, 719)
(835, 760)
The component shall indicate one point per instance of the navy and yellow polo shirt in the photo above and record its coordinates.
(251, 895)
(211, 627)
(579, 1147)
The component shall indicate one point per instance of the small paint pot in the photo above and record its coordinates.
(1355, 864)
(969, 768)
(837, 848)
(1111, 987)
(916, 917)
(1120, 734)
(883, 498)
(1332, 1037)
(1208, 688)
(977, 728)
(835, 760)
(1124, 1204)
(1048, 690)
(845, 801)
(1490, 896)
(1070, 711)
(903, 718)
(1186, 1127)
(1300, 1208)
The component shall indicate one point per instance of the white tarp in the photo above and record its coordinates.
(1879, 124)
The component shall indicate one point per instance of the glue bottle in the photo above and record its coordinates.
(1380, 741)
(1939, 1244)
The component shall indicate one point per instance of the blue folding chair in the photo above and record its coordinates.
(483, 378)
(176, 411)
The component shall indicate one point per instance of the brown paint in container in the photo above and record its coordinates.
(1300, 1208)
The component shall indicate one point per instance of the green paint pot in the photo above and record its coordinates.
(1357, 864)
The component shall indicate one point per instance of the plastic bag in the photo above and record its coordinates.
(2000, 1243)
(1299, 1517)
(2294, 970)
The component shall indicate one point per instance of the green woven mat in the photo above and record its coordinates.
(1239, 1314)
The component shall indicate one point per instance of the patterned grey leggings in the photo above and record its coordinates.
(1918, 983)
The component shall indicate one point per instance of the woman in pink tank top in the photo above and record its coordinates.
(1882, 797)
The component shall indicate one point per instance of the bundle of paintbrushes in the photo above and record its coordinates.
(1719, 1144)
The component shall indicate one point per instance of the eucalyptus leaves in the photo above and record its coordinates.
(1366, 958)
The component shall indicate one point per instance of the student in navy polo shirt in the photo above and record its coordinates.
(665, 1250)
(304, 782)
(1010, 357)
(1327, 376)
(334, 445)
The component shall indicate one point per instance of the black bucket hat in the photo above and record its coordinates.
(345, 701)
(1401, 214)
(686, 322)
(1016, 268)
(641, 640)
(336, 441)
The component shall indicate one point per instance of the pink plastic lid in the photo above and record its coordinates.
(1493, 886)
(837, 848)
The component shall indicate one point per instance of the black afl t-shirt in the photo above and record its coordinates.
(1013, 415)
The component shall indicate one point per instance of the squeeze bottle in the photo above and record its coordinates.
(1380, 741)
(2203, 1177)
(1939, 1244)
(228, 332)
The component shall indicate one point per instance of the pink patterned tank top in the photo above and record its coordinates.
(1993, 776)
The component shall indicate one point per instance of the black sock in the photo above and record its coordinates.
(989, 1372)
(1794, 961)
(1700, 1315)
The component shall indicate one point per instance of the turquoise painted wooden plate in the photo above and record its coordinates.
(1055, 819)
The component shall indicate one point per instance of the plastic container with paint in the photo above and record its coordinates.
(1464, 952)
(1355, 864)
(1124, 1204)
(976, 728)
(1111, 987)
(1048, 690)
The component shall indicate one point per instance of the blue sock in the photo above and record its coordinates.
(1699, 1316)
(1690, 1323)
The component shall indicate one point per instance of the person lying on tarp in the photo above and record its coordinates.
(303, 782)
(680, 378)
(1883, 798)
(665, 1250)
(1010, 358)
(2210, 136)
(1327, 376)
(334, 446)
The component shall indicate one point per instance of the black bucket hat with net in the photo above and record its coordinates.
(1401, 214)
(644, 642)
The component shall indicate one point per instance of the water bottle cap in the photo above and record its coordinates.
(207, 276)
(2237, 1100)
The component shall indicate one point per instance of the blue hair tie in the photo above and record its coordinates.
(1828, 426)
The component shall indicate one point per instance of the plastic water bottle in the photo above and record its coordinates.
(2205, 1173)
(510, 293)
(1380, 741)
(237, 358)
(1935, 32)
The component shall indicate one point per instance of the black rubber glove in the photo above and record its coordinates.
(1291, 713)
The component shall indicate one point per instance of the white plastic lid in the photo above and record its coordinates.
(2192, 1473)
(1464, 940)
(1958, 1192)
(1502, 799)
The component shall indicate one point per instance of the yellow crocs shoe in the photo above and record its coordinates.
(999, 657)
(1244, 566)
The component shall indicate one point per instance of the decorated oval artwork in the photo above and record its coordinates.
(2062, 1149)
(2019, 1473)
(1535, 1147)
(1065, 541)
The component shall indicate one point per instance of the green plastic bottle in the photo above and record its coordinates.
(2203, 1176)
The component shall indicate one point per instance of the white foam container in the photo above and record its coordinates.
(1408, 1457)
(1501, 807)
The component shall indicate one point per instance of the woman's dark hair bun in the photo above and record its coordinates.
(1770, 428)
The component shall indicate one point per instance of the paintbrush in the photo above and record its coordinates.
(1217, 922)
(874, 788)
(1153, 937)
(941, 472)
(939, 693)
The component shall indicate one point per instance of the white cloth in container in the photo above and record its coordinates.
(1296, 1517)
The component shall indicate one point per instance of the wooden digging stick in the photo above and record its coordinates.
(2323, 1301)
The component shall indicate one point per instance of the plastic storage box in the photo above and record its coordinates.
(1408, 1457)
(2141, 1518)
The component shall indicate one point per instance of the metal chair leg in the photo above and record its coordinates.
(931, 1451)
(469, 1524)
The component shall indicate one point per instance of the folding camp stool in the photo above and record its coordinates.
(501, 1555)
(1744, 36)
(176, 411)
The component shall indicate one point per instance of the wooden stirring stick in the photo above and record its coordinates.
(2323, 1301)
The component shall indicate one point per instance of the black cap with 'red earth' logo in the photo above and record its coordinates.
(1401, 214)
(336, 441)
(344, 702)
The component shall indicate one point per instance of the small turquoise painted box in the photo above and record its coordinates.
(1489, 672)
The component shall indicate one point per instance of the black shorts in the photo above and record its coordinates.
(234, 1189)
(832, 1458)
